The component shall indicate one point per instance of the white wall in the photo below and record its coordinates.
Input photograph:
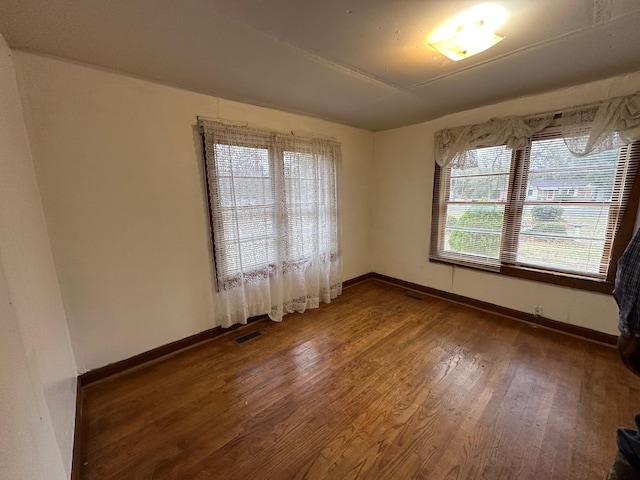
(119, 167)
(37, 367)
(403, 186)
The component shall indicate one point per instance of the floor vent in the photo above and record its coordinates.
(413, 295)
(247, 337)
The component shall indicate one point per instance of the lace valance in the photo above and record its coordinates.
(586, 129)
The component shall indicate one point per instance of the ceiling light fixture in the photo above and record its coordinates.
(471, 32)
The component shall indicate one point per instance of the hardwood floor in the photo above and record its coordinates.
(375, 385)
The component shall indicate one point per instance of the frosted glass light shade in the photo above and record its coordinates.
(470, 32)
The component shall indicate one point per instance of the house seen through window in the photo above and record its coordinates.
(539, 208)
(272, 201)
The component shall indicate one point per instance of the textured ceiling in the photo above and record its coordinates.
(360, 62)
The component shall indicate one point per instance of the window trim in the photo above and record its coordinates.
(565, 279)
(212, 237)
(223, 280)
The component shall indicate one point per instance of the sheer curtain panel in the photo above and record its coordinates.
(550, 196)
(274, 221)
(586, 129)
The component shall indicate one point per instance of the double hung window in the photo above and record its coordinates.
(537, 212)
(243, 208)
(272, 201)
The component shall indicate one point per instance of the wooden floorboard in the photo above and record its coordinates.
(375, 385)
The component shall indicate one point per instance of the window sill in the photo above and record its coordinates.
(557, 278)
(543, 276)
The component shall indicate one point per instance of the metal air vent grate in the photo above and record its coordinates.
(247, 337)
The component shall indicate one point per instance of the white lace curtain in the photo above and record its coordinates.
(586, 129)
(274, 218)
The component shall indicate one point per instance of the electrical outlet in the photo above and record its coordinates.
(537, 310)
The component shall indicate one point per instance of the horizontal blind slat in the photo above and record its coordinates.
(564, 215)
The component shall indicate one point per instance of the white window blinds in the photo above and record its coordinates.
(555, 202)
(472, 208)
(567, 210)
(274, 220)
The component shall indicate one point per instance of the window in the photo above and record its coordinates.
(538, 212)
(272, 201)
(244, 204)
(474, 207)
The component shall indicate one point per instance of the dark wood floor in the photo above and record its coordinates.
(376, 385)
